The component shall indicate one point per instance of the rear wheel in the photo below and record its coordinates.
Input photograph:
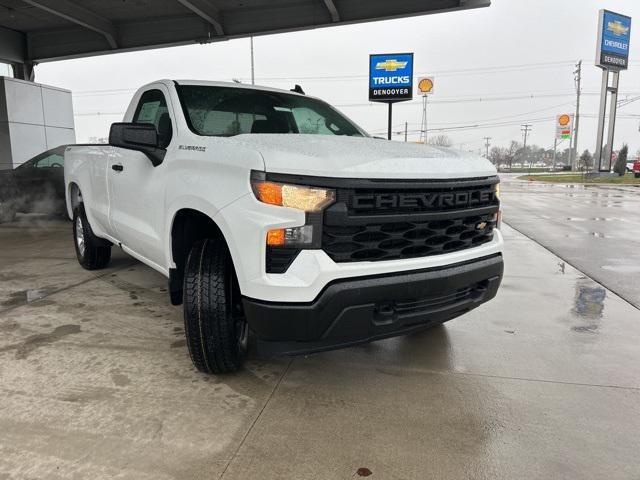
(93, 253)
(215, 326)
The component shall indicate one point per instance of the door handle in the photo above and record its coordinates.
(117, 167)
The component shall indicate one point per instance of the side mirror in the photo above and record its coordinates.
(138, 136)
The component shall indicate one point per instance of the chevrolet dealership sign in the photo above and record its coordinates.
(391, 77)
(614, 33)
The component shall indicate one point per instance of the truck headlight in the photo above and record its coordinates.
(308, 199)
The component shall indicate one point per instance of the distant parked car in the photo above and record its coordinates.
(636, 169)
(36, 186)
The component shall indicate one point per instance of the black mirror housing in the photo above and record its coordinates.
(138, 136)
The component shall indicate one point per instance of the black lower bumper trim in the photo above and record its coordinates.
(359, 310)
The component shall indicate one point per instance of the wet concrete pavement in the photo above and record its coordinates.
(594, 228)
(96, 382)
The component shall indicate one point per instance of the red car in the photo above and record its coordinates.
(636, 168)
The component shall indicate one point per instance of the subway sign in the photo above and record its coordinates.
(391, 77)
(614, 33)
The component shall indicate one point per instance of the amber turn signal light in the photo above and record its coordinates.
(275, 238)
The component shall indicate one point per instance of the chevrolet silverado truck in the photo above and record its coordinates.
(271, 212)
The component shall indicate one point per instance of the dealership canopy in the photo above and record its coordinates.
(44, 30)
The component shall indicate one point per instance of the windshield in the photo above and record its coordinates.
(227, 111)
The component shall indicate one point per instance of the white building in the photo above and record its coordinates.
(33, 118)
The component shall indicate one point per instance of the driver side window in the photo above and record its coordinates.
(152, 109)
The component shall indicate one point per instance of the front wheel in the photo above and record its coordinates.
(93, 252)
(215, 326)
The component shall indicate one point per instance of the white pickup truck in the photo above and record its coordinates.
(271, 212)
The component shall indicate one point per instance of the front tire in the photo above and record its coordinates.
(93, 252)
(214, 322)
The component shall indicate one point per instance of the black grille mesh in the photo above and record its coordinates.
(395, 240)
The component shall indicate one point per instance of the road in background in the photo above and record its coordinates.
(594, 228)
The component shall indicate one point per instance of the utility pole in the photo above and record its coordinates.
(487, 144)
(406, 127)
(253, 79)
(577, 78)
(525, 131)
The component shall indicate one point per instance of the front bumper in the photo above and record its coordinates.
(245, 223)
(359, 310)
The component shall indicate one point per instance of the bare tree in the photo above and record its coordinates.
(498, 156)
(512, 151)
(440, 141)
(586, 161)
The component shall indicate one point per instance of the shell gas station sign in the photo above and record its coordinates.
(425, 85)
(564, 126)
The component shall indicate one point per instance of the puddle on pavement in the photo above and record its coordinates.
(588, 306)
(23, 349)
(25, 296)
(592, 219)
(622, 268)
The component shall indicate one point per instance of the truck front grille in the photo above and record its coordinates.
(394, 240)
(391, 221)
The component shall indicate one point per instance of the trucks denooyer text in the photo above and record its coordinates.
(395, 81)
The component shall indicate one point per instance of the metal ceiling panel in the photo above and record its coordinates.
(58, 29)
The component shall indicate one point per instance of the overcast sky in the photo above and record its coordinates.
(515, 48)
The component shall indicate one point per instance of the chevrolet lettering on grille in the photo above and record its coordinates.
(427, 201)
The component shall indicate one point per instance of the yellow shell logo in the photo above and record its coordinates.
(564, 120)
(425, 85)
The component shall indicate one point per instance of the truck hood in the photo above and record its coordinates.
(360, 157)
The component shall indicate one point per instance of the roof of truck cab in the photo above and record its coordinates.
(207, 83)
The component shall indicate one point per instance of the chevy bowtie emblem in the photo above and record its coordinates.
(481, 226)
(390, 65)
(617, 28)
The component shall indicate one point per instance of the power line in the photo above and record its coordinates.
(454, 100)
(464, 71)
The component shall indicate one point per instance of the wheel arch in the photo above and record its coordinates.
(74, 197)
(188, 225)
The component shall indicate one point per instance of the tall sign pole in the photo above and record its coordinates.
(612, 56)
(425, 88)
(390, 80)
